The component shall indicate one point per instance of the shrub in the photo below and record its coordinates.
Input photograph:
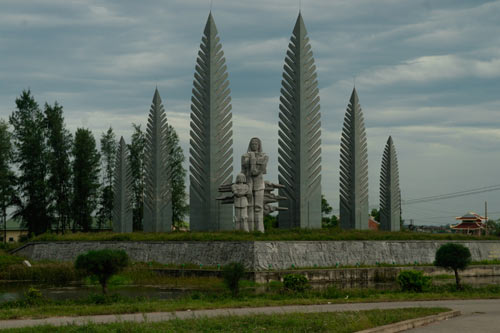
(412, 280)
(51, 273)
(295, 282)
(232, 274)
(33, 297)
(103, 264)
(454, 257)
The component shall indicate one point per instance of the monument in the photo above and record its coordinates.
(157, 192)
(211, 160)
(353, 169)
(251, 195)
(122, 194)
(390, 195)
(299, 153)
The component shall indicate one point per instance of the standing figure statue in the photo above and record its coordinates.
(241, 192)
(253, 166)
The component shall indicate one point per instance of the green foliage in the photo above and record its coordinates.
(412, 280)
(232, 274)
(85, 178)
(31, 159)
(453, 256)
(270, 222)
(175, 162)
(493, 227)
(342, 322)
(295, 282)
(49, 273)
(103, 264)
(7, 260)
(33, 297)
(136, 160)
(109, 147)
(326, 209)
(7, 176)
(376, 214)
(270, 235)
(59, 142)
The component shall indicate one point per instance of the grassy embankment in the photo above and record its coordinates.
(251, 296)
(342, 322)
(270, 235)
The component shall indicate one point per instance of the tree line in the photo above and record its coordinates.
(60, 182)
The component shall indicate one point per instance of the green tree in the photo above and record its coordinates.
(109, 146)
(376, 214)
(326, 209)
(493, 227)
(31, 159)
(7, 176)
(103, 264)
(85, 179)
(232, 273)
(59, 141)
(453, 256)
(136, 160)
(176, 160)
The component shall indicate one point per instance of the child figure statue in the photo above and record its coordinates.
(241, 192)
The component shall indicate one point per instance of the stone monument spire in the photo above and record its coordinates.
(353, 169)
(211, 161)
(157, 192)
(122, 186)
(299, 153)
(390, 195)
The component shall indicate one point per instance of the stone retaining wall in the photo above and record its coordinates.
(263, 255)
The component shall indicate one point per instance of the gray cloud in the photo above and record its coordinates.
(427, 73)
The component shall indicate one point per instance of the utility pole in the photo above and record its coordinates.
(486, 216)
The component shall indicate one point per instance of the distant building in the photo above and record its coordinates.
(470, 224)
(14, 230)
(373, 224)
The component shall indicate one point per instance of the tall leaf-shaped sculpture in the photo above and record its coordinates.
(211, 161)
(353, 169)
(122, 191)
(158, 192)
(390, 195)
(299, 153)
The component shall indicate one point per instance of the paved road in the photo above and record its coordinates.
(478, 315)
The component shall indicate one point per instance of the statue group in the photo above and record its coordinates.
(250, 194)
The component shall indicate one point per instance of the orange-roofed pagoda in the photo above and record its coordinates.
(470, 224)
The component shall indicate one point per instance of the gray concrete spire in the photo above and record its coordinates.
(353, 168)
(211, 160)
(122, 187)
(390, 195)
(299, 153)
(157, 192)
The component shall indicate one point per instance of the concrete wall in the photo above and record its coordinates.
(266, 254)
(204, 253)
(282, 255)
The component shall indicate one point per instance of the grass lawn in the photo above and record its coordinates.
(269, 235)
(350, 321)
(272, 296)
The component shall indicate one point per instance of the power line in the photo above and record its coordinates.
(453, 194)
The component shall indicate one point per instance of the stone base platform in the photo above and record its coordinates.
(264, 255)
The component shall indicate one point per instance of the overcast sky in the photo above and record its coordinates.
(426, 72)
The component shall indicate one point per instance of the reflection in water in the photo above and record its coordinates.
(14, 291)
